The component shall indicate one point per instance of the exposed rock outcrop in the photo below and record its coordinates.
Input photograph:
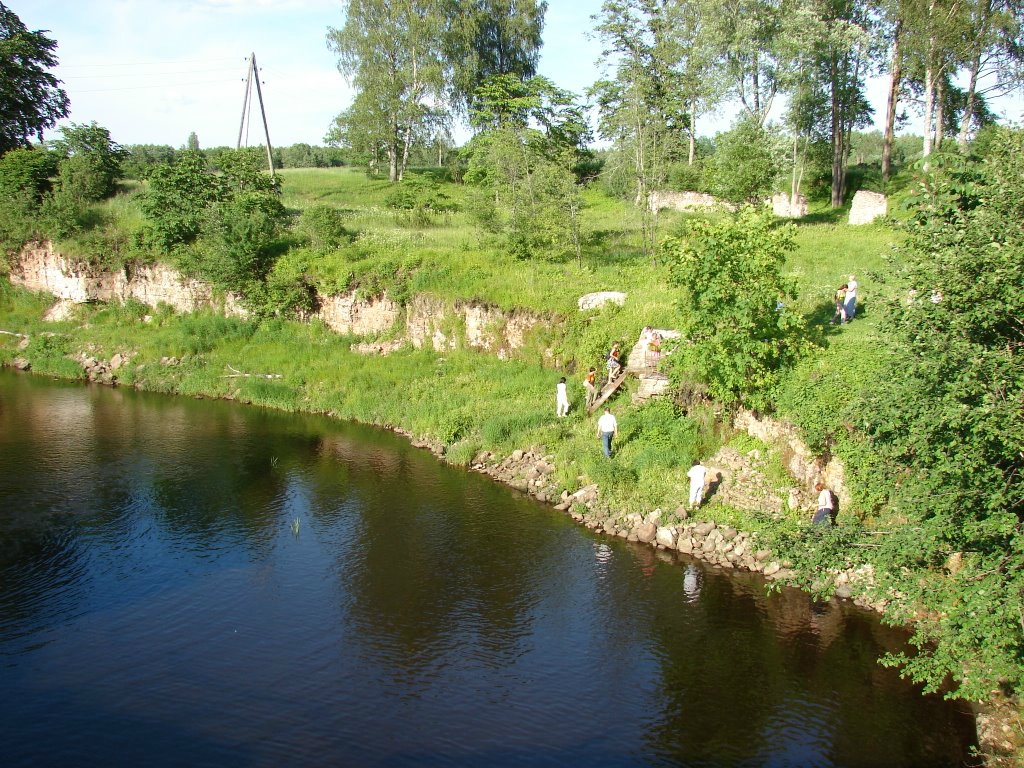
(428, 321)
(599, 299)
(806, 467)
(346, 313)
(40, 268)
(781, 206)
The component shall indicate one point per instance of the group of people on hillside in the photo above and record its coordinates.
(846, 301)
(608, 427)
(615, 368)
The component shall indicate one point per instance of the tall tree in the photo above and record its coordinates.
(391, 50)
(695, 58)
(835, 45)
(532, 135)
(891, 26)
(753, 37)
(935, 34)
(31, 99)
(640, 105)
(491, 37)
(995, 47)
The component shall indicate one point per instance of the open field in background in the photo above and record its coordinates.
(462, 262)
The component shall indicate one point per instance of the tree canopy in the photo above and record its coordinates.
(31, 99)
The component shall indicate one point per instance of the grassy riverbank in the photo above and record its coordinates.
(469, 401)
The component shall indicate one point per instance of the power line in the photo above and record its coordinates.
(164, 62)
(146, 74)
(147, 87)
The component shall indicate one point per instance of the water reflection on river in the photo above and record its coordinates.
(158, 607)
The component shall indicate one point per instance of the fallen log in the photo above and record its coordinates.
(237, 374)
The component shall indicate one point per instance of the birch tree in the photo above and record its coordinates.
(752, 35)
(695, 58)
(491, 37)
(391, 52)
(640, 104)
(995, 43)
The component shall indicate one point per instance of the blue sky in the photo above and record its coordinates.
(152, 71)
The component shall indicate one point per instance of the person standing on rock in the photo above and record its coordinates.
(614, 362)
(590, 384)
(698, 474)
(823, 515)
(561, 399)
(607, 428)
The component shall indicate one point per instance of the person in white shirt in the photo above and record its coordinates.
(561, 399)
(823, 515)
(698, 474)
(851, 298)
(607, 428)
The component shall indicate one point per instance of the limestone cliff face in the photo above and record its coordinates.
(41, 268)
(428, 321)
(432, 322)
(345, 313)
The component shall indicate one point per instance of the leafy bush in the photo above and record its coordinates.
(91, 164)
(177, 198)
(737, 338)
(946, 419)
(324, 226)
(27, 172)
(419, 197)
(748, 162)
(688, 178)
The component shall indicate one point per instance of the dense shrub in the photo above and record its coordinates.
(738, 334)
(946, 420)
(324, 226)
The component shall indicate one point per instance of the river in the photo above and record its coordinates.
(187, 582)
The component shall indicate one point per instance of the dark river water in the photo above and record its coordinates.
(194, 583)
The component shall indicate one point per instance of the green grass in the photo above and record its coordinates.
(471, 400)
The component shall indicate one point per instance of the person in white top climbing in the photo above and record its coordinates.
(851, 298)
(823, 515)
(698, 474)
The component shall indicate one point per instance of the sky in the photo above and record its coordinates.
(154, 71)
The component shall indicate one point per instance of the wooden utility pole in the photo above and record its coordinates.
(253, 76)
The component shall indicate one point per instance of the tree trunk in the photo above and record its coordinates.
(929, 110)
(982, 28)
(794, 187)
(895, 74)
(392, 161)
(406, 141)
(940, 113)
(837, 137)
(755, 82)
(693, 130)
(965, 122)
(929, 89)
